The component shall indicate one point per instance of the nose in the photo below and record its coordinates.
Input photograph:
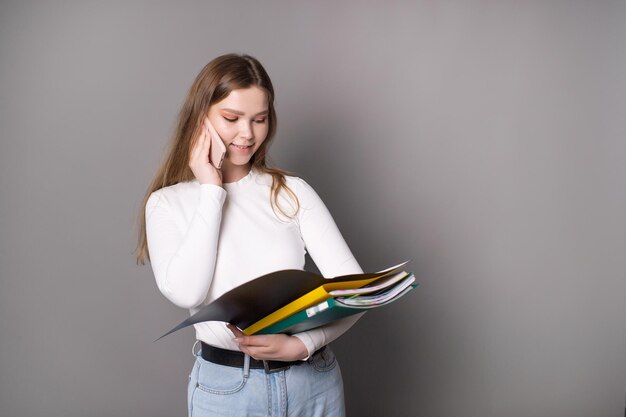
(246, 131)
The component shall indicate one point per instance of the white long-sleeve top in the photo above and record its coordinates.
(205, 240)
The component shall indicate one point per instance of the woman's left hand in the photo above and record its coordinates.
(277, 347)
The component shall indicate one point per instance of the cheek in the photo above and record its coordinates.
(261, 132)
(225, 131)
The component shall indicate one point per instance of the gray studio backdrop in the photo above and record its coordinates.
(484, 140)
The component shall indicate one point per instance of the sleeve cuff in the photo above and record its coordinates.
(308, 342)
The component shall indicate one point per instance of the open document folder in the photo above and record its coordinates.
(339, 307)
(277, 295)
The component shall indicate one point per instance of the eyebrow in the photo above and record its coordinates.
(242, 113)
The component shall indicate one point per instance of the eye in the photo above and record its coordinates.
(259, 121)
(230, 120)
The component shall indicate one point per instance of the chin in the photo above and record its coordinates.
(239, 161)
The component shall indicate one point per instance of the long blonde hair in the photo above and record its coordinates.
(214, 83)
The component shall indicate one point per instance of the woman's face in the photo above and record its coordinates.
(241, 121)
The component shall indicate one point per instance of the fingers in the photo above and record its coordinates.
(274, 347)
(242, 339)
(206, 139)
(206, 143)
(255, 346)
(199, 159)
(259, 351)
(253, 341)
(210, 129)
(202, 145)
(197, 147)
(269, 347)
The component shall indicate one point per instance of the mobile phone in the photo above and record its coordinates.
(218, 149)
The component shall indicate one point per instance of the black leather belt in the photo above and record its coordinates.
(236, 359)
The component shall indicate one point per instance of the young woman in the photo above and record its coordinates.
(207, 230)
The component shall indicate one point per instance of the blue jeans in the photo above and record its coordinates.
(312, 389)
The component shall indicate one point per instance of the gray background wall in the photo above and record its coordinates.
(483, 140)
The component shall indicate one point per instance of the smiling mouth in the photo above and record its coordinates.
(241, 146)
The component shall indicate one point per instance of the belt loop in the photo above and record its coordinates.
(193, 349)
(246, 365)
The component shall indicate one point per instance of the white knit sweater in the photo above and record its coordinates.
(205, 240)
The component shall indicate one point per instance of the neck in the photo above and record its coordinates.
(233, 173)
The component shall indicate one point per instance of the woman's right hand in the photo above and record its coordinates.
(199, 161)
